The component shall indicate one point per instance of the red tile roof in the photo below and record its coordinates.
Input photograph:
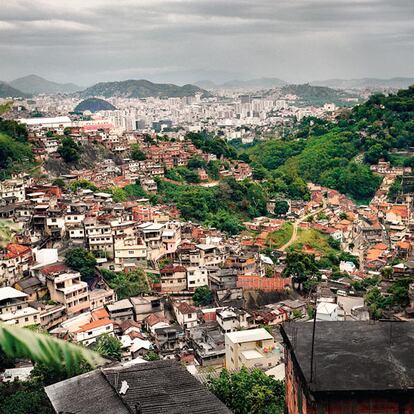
(94, 325)
(173, 269)
(16, 250)
(185, 308)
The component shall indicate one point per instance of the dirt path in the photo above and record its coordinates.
(295, 228)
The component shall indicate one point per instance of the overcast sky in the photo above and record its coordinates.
(86, 41)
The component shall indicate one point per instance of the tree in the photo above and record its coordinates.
(69, 150)
(82, 261)
(301, 267)
(127, 284)
(109, 347)
(13, 129)
(249, 392)
(343, 216)
(334, 243)
(50, 374)
(245, 158)
(59, 182)
(118, 194)
(135, 190)
(27, 397)
(195, 163)
(387, 272)
(84, 184)
(136, 153)
(281, 207)
(13, 153)
(203, 296)
(224, 221)
(151, 356)
(259, 172)
(374, 153)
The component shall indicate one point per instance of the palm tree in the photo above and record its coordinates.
(38, 347)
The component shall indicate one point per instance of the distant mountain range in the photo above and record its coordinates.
(141, 89)
(34, 85)
(256, 84)
(366, 83)
(7, 91)
(94, 105)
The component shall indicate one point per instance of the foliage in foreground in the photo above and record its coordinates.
(41, 348)
(29, 397)
(249, 392)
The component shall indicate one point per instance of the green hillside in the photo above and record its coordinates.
(15, 153)
(94, 105)
(326, 152)
(7, 91)
(141, 89)
(317, 95)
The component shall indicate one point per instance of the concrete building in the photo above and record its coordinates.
(254, 348)
(147, 305)
(173, 278)
(68, 289)
(326, 311)
(196, 277)
(186, 315)
(232, 319)
(121, 310)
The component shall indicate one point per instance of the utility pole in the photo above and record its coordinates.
(313, 338)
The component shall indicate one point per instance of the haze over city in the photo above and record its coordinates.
(186, 41)
(206, 206)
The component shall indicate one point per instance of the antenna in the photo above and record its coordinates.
(313, 338)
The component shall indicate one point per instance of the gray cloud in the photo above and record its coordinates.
(184, 40)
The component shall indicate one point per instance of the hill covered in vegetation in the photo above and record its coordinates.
(7, 91)
(141, 89)
(317, 95)
(15, 152)
(94, 105)
(33, 85)
(337, 154)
